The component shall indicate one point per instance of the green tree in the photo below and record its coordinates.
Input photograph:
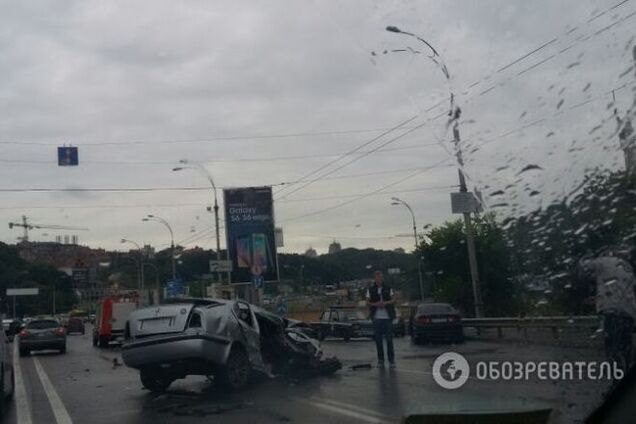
(15, 272)
(445, 254)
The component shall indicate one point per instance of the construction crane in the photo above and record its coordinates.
(26, 226)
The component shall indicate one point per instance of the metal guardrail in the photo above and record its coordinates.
(555, 323)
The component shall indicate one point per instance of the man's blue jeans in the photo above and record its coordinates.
(383, 329)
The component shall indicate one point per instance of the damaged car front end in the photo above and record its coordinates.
(227, 339)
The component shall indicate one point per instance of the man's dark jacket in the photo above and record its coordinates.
(374, 296)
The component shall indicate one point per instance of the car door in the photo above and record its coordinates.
(325, 322)
(334, 321)
(250, 331)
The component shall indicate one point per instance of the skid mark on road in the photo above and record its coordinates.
(21, 402)
(59, 410)
(347, 410)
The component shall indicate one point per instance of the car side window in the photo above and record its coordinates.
(195, 320)
(244, 313)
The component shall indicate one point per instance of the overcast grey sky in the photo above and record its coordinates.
(265, 92)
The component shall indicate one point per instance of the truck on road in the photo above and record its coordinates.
(111, 316)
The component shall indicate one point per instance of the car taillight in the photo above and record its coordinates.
(24, 333)
(60, 331)
(423, 320)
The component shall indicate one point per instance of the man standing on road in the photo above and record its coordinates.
(615, 301)
(382, 311)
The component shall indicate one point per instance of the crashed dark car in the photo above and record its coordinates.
(227, 339)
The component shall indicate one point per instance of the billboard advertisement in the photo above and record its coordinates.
(249, 223)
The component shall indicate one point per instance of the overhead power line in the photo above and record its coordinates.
(181, 205)
(381, 190)
(228, 160)
(485, 78)
(355, 150)
(355, 159)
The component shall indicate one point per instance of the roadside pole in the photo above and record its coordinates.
(470, 237)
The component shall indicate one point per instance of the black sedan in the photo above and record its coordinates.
(365, 324)
(436, 322)
(42, 334)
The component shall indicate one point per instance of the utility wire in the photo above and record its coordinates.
(356, 149)
(236, 160)
(206, 188)
(518, 60)
(365, 195)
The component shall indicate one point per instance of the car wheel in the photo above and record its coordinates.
(103, 342)
(154, 380)
(415, 340)
(63, 349)
(24, 352)
(347, 336)
(320, 335)
(236, 372)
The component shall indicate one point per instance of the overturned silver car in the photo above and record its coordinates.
(227, 339)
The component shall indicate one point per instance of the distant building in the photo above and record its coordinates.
(311, 252)
(399, 250)
(334, 247)
(78, 262)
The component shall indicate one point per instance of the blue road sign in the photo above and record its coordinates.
(258, 281)
(174, 288)
(67, 156)
(281, 308)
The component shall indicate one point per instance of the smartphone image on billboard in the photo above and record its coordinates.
(243, 255)
(259, 245)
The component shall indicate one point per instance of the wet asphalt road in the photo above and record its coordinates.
(84, 386)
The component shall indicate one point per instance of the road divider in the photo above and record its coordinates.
(23, 412)
(59, 410)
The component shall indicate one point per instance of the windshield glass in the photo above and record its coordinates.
(42, 325)
(435, 309)
(443, 192)
(354, 315)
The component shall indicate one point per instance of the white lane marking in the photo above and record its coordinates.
(23, 411)
(59, 410)
(348, 412)
(355, 408)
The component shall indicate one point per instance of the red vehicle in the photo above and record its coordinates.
(110, 320)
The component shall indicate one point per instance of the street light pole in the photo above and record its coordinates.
(140, 273)
(165, 223)
(203, 169)
(156, 301)
(455, 114)
(398, 201)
